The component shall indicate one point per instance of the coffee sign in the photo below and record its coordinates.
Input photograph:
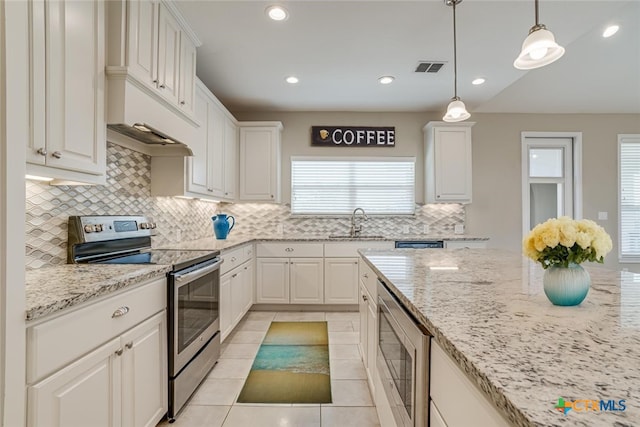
(350, 136)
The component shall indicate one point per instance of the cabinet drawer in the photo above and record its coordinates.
(248, 252)
(451, 390)
(290, 250)
(53, 344)
(350, 249)
(231, 259)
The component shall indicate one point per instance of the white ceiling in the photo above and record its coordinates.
(338, 49)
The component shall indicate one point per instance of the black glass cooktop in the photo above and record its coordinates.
(179, 259)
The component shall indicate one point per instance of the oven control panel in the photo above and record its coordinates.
(83, 229)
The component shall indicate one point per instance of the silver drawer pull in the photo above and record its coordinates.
(129, 345)
(365, 275)
(233, 259)
(120, 312)
(119, 352)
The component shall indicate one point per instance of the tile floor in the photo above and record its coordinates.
(214, 403)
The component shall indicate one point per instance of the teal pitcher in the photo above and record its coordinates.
(221, 225)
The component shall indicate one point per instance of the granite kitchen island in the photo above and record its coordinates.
(487, 309)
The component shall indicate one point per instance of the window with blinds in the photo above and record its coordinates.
(629, 199)
(328, 186)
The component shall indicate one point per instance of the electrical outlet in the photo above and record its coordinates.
(178, 235)
(603, 216)
(426, 229)
(280, 228)
(458, 229)
(405, 229)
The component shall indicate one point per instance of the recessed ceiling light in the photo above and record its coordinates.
(478, 81)
(277, 13)
(292, 80)
(610, 30)
(385, 80)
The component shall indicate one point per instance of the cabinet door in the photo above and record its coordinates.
(453, 164)
(248, 287)
(144, 373)
(142, 44)
(230, 158)
(272, 280)
(215, 134)
(199, 163)
(168, 54)
(306, 280)
(225, 305)
(259, 164)
(363, 308)
(75, 60)
(85, 393)
(372, 343)
(341, 280)
(237, 295)
(187, 87)
(36, 143)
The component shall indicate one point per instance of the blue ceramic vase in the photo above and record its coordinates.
(566, 285)
(221, 226)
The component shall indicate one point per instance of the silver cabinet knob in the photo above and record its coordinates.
(233, 259)
(155, 81)
(129, 345)
(182, 102)
(365, 275)
(234, 275)
(162, 86)
(119, 352)
(272, 196)
(56, 154)
(42, 151)
(365, 298)
(121, 311)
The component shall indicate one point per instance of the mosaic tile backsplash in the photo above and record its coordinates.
(128, 192)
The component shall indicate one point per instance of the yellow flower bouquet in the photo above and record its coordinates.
(563, 241)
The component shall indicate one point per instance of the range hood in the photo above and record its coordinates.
(146, 134)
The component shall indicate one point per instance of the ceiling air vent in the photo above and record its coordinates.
(429, 67)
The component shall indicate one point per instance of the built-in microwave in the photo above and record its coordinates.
(403, 361)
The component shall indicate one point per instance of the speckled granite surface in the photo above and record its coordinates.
(51, 289)
(233, 241)
(492, 317)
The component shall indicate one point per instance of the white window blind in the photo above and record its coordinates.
(338, 186)
(629, 198)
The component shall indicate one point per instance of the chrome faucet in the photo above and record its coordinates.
(357, 228)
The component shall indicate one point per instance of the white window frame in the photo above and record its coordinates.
(577, 172)
(353, 159)
(624, 138)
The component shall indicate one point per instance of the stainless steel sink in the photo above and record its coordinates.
(361, 237)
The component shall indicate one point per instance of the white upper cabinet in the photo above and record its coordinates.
(260, 161)
(448, 162)
(210, 172)
(150, 42)
(68, 134)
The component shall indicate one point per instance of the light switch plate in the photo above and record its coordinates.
(458, 229)
(405, 229)
(426, 229)
(603, 215)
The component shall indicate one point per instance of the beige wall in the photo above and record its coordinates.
(496, 210)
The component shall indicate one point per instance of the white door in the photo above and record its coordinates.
(248, 286)
(237, 295)
(168, 55)
(372, 342)
(142, 49)
(144, 373)
(341, 280)
(225, 305)
(363, 308)
(75, 55)
(306, 280)
(453, 164)
(198, 175)
(258, 163)
(272, 280)
(549, 187)
(85, 393)
(187, 74)
(230, 158)
(216, 145)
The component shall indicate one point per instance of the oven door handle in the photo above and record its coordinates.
(190, 277)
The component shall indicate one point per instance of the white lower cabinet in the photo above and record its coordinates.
(368, 309)
(341, 280)
(289, 280)
(450, 389)
(104, 364)
(236, 288)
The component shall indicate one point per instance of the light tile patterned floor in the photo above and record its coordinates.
(214, 403)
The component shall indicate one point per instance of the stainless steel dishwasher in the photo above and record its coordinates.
(420, 244)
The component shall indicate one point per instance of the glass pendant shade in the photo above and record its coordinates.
(456, 111)
(538, 49)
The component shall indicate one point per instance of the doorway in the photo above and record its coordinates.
(551, 177)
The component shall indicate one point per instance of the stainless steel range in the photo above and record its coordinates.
(193, 291)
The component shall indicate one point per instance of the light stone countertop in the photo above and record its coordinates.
(492, 317)
(232, 241)
(51, 289)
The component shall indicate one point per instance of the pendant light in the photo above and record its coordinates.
(539, 48)
(456, 111)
